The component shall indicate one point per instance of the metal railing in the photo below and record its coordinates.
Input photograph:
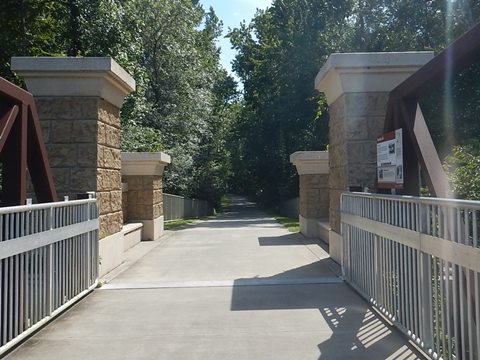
(48, 260)
(178, 207)
(418, 261)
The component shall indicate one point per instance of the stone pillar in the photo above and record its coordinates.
(142, 172)
(79, 101)
(357, 88)
(312, 167)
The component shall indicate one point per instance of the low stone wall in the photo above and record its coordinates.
(144, 197)
(312, 168)
(142, 173)
(314, 195)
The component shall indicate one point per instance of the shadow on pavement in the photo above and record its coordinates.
(285, 240)
(353, 329)
(240, 214)
(224, 223)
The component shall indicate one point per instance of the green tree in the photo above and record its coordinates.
(29, 28)
(463, 167)
(169, 47)
(281, 50)
(279, 53)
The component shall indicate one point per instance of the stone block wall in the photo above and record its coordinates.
(70, 133)
(109, 164)
(145, 199)
(82, 136)
(356, 120)
(314, 189)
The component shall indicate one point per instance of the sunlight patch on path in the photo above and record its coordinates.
(222, 283)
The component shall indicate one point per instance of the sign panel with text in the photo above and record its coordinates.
(390, 160)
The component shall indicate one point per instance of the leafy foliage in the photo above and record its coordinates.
(186, 94)
(182, 94)
(188, 106)
(463, 167)
(281, 50)
(278, 56)
(137, 138)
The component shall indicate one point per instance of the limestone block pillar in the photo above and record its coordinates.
(357, 87)
(78, 102)
(142, 172)
(313, 170)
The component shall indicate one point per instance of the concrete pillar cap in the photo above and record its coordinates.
(144, 163)
(367, 72)
(75, 77)
(310, 162)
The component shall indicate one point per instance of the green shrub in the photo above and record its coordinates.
(136, 138)
(463, 170)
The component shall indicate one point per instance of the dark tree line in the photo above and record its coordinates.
(186, 104)
(281, 50)
(183, 94)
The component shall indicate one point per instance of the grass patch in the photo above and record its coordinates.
(292, 225)
(172, 224)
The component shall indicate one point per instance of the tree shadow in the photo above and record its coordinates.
(235, 222)
(286, 240)
(349, 328)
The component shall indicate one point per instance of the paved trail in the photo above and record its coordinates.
(235, 287)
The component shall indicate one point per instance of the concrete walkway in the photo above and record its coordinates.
(235, 287)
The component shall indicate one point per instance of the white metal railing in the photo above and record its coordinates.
(48, 259)
(179, 207)
(418, 261)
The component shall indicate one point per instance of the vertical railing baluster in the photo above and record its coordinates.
(3, 295)
(443, 319)
(415, 310)
(5, 302)
(434, 299)
(477, 314)
(2, 303)
(49, 300)
(11, 286)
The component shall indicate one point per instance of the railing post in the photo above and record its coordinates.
(345, 247)
(425, 280)
(49, 274)
(91, 260)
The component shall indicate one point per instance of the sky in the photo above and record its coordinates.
(232, 13)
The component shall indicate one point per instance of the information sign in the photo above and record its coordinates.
(390, 160)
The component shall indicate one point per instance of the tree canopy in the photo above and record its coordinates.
(280, 52)
(169, 47)
(187, 105)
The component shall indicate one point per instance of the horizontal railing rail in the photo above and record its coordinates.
(48, 259)
(178, 207)
(418, 261)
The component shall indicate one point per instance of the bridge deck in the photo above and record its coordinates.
(238, 286)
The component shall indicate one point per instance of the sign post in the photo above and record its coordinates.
(390, 160)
